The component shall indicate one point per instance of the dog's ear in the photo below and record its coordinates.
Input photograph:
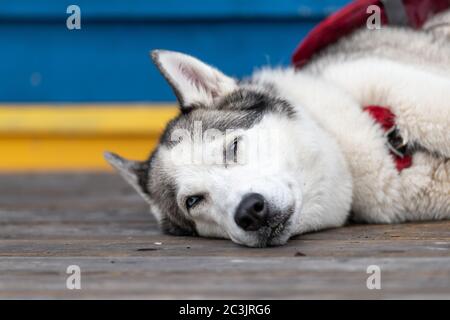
(134, 172)
(192, 81)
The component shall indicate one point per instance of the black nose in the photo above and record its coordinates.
(251, 214)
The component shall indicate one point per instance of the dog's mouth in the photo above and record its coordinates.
(275, 232)
(272, 233)
(278, 228)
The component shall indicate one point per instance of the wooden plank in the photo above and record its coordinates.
(130, 245)
(429, 230)
(96, 221)
(220, 277)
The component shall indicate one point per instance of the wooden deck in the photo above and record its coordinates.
(48, 222)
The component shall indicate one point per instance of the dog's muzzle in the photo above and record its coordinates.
(252, 212)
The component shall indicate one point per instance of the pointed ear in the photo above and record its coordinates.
(192, 80)
(134, 172)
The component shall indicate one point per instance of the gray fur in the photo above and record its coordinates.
(135, 172)
(154, 55)
(418, 47)
(162, 191)
(247, 105)
(241, 109)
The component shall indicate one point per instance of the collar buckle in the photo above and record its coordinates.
(395, 142)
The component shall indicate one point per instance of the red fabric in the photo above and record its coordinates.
(382, 115)
(386, 119)
(333, 28)
(354, 16)
(403, 163)
(419, 11)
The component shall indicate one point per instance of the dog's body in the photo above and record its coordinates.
(330, 161)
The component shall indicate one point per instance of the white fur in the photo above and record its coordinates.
(316, 182)
(421, 101)
(330, 159)
(420, 98)
(194, 80)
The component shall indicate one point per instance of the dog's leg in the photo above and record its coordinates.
(419, 98)
(426, 188)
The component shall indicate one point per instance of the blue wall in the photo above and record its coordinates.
(107, 60)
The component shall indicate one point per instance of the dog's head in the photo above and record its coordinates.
(233, 164)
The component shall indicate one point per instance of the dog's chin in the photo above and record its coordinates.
(277, 234)
(280, 240)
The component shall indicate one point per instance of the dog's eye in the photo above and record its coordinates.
(231, 154)
(192, 201)
(235, 149)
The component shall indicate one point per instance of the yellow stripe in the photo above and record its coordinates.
(84, 119)
(74, 137)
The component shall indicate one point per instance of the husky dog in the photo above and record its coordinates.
(329, 161)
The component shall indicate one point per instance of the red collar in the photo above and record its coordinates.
(394, 141)
(412, 13)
